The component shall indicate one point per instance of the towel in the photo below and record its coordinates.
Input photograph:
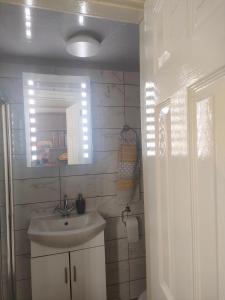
(129, 164)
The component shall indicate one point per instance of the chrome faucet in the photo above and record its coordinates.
(65, 210)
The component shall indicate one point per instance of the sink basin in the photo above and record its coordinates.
(63, 232)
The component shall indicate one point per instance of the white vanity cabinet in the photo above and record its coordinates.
(69, 274)
(50, 277)
(88, 274)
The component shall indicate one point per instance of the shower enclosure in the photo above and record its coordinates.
(6, 238)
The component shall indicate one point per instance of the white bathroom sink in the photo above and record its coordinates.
(63, 232)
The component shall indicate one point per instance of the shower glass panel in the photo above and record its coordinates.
(5, 248)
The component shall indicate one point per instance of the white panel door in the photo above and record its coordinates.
(50, 277)
(88, 278)
(164, 201)
(208, 119)
(171, 236)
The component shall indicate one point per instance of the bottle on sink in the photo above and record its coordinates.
(80, 204)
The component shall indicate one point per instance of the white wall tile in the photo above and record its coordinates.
(106, 139)
(137, 287)
(36, 190)
(67, 71)
(4, 254)
(17, 116)
(5, 290)
(137, 249)
(133, 117)
(132, 78)
(18, 142)
(89, 185)
(104, 76)
(23, 290)
(108, 117)
(23, 268)
(2, 192)
(12, 89)
(103, 162)
(141, 221)
(137, 268)
(22, 242)
(107, 94)
(23, 213)
(99, 76)
(21, 171)
(115, 229)
(116, 250)
(112, 206)
(117, 272)
(132, 95)
(118, 292)
(3, 228)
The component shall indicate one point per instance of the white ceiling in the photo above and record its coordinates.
(50, 30)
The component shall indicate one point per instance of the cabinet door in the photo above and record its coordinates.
(50, 277)
(88, 277)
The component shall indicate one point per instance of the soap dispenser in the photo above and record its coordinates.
(80, 204)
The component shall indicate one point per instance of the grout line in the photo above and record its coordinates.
(108, 285)
(78, 175)
(25, 279)
(122, 282)
(53, 201)
(92, 174)
(118, 261)
(118, 128)
(117, 83)
(33, 203)
(135, 214)
(114, 262)
(122, 238)
(141, 278)
(116, 106)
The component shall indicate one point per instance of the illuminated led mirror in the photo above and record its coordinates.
(57, 120)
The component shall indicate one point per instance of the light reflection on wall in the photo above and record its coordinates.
(204, 117)
(150, 102)
(179, 124)
(162, 131)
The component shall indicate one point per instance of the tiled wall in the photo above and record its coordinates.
(37, 188)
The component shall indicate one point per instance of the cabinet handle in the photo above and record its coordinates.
(74, 274)
(66, 276)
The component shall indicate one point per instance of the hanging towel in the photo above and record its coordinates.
(129, 164)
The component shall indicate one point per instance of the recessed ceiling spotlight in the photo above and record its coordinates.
(83, 46)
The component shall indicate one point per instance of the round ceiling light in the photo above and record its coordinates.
(82, 46)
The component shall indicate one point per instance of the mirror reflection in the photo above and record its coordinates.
(57, 120)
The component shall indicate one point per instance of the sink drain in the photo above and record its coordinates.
(66, 223)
